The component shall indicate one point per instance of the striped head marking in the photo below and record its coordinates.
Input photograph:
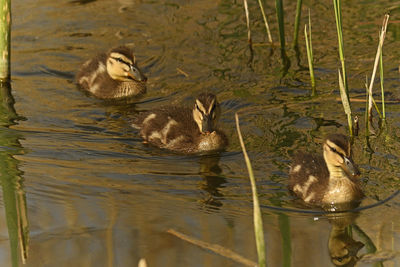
(206, 112)
(121, 65)
(337, 152)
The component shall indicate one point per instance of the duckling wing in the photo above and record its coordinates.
(308, 177)
(168, 127)
(90, 71)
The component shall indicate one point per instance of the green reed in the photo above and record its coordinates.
(297, 24)
(265, 21)
(344, 90)
(346, 103)
(310, 56)
(258, 224)
(5, 39)
(280, 17)
(338, 18)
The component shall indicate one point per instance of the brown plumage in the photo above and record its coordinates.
(183, 129)
(328, 179)
(112, 75)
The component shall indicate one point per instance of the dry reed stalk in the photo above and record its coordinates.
(378, 53)
(214, 248)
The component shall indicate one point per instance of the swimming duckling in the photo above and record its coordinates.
(326, 180)
(112, 75)
(183, 129)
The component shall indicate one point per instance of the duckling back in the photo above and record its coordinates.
(308, 177)
(310, 180)
(174, 128)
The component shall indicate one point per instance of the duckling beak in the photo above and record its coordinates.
(206, 124)
(136, 74)
(350, 167)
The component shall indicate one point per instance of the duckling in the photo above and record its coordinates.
(112, 75)
(183, 129)
(327, 180)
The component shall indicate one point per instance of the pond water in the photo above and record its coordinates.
(80, 189)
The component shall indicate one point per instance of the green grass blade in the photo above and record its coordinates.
(297, 23)
(5, 33)
(280, 17)
(310, 56)
(346, 103)
(338, 18)
(258, 224)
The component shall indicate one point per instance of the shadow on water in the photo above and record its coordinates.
(212, 181)
(11, 182)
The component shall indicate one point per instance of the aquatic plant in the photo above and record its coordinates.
(310, 56)
(344, 90)
(246, 9)
(280, 18)
(5, 39)
(297, 24)
(258, 224)
(265, 21)
(378, 58)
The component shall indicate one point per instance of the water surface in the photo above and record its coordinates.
(94, 195)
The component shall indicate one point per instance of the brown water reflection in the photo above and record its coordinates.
(96, 196)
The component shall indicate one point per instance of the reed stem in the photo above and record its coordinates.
(280, 17)
(265, 21)
(5, 34)
(376, 62)
(246, 10)
(346, 103)
(258, 224)
(310, 56)
(297, 24)
(382, 90)
(338, 17)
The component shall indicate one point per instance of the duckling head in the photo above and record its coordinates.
(206, 112)
(121, 65)
(337, 154)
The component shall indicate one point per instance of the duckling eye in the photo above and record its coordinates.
(120, 60)
(197, 107)
(333, 149)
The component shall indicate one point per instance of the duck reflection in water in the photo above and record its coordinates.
(212, 181)
(342, 247)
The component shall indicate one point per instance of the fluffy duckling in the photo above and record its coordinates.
(326, 180)
(183, 129)
(112, 75)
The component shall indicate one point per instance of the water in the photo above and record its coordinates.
(94, 195)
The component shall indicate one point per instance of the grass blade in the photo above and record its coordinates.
(258, 224)
(280, 17)
(246, 10)
(346, 103)
(310, 56)
(297, 23)
(265, 21)
(376, 62)
(382, 91)
(225, 252)
(338, 17)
